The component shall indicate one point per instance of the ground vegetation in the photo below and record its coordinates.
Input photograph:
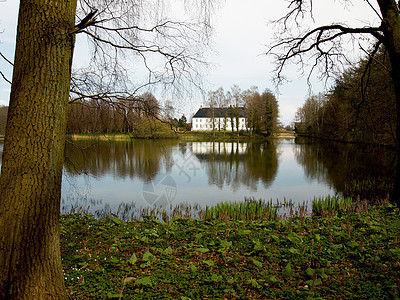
(341, 255)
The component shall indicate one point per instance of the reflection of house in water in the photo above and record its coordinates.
(218, 147)
(237, 164)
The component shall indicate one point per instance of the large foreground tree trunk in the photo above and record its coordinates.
(391, 31)
(30, 182)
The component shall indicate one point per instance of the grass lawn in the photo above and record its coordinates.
(341, 256)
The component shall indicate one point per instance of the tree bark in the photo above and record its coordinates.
(391, 31)
(30, 181)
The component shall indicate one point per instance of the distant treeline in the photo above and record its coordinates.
(141, 117)
(260, 109)
(145, 118)
(360, 107)
(3, 119)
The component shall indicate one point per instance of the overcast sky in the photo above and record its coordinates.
(241, 36)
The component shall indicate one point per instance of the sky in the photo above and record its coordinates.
(241, 35)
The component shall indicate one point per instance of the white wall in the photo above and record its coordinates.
(205, 124)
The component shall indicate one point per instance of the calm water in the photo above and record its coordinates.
(104, 174)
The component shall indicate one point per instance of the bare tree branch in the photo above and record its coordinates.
(166, 52)
(4, 77)
(325, 43)
(87, 21)
(5, 58)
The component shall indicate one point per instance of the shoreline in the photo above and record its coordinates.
(188, 136)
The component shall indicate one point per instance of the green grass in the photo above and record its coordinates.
(218, 135)
(343, 255)
(187, 135)
(321, 206)
(250, 209)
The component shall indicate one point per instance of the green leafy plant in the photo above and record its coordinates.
(343, 255)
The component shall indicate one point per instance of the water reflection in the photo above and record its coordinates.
(106, 173)
(1, 150)
(236, 164)
(142, 159)
(352, 170)
(100, 174)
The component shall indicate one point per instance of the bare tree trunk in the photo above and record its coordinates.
(30, 182)
(395, 61)
(391, 31)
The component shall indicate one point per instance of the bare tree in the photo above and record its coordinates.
(138, 40)
(327, 47)
(221, 103)
(30, 181)
(236, 93)
(211, 112)
(327, 44)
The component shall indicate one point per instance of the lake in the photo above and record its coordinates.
(116, 175)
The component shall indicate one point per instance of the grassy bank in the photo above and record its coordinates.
(341, 255)
(187, 136)
(227, 135)
(100, 136)
(119, 136)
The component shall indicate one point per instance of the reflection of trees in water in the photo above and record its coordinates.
(1, 151)
(306, 155)
(350, 169)
(140, 158)
(228, 164)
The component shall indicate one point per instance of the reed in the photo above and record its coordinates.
(250, 209)
(330, 204)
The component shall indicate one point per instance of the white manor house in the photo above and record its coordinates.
(204, 119)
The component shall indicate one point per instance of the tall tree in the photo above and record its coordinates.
(221, 102)
(270, 117)
(30, 181)
(327, 44)
(3, 119)
(182, 122)
(347, 113)
(235, 90)
(213, 109)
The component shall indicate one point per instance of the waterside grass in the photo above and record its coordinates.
(324, 205)
(249, 209)
(355, 254)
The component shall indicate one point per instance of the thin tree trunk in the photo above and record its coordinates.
(30, 182)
